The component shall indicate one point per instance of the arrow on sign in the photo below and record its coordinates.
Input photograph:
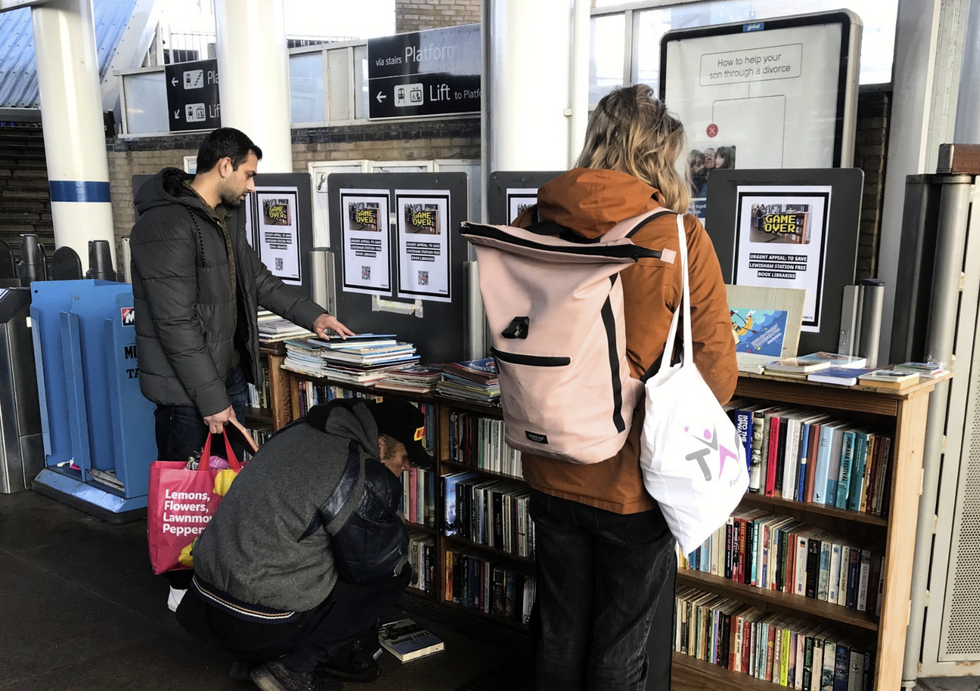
(176, 115)
(381, 97)
(173, 82)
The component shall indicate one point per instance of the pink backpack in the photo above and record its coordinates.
(555, 309)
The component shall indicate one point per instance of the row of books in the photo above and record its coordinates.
(794, 653)
(418, 503)
(489, 512)
(774, 552)
(488, 587)
(422, 558)
(260, 397)
(850, 370)
(807, 455)
(260, 437)
(470, 380)
(363, 359)
(480, 442)
(314, 393)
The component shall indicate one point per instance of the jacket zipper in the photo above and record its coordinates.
(531, 360)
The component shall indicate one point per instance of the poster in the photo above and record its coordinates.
(762, 95)
(423, 244)
(518, 199)
(367, 241)
(781, 241)
(278, 232)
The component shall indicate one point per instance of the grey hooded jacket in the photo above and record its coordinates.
(314, 504)
(185, 304)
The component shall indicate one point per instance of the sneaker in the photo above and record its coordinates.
(355, 661)
(176, 595)
(241, 670)
(275, 676)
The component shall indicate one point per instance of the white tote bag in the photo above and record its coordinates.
(692, 459)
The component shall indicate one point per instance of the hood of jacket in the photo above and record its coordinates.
(349, 419)
(591, 201)
(164, 189)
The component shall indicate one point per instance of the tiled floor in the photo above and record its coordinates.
(81, 611)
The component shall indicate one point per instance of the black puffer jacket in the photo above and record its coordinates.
(185, 305)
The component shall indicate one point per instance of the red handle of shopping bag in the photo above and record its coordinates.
(232, 460)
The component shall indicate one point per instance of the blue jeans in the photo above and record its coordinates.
(181, 432)
(600, 577)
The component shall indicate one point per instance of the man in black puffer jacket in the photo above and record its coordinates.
(307, 550)
(197, 288)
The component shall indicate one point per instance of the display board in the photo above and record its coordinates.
(510, 192)
(400, 260)
(775, 94)
(790, 229)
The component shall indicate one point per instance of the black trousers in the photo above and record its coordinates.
(314, 638)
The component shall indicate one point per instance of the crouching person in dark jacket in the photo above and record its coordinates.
(307, 549)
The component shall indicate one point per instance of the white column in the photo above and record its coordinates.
(253, 69)
(528, 48)
(74, 137)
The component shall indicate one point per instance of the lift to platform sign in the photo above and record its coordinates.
(192, 96)
(435, 72)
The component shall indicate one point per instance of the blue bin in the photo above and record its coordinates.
(95, 422)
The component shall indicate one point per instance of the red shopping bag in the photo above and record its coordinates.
(181, 503)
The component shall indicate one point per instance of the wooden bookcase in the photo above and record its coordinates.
(902, 414)
(280, 410)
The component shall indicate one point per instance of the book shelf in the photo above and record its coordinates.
(901, 414)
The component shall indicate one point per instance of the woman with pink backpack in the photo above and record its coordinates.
(604, 551)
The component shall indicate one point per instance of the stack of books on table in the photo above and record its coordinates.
(273, 328)
(825, 367)
(470, 380)
(364, 359)
(411, 379)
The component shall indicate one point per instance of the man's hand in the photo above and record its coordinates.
(216, 423)
(325, 321)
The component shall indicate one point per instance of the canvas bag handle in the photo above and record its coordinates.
(687, 358)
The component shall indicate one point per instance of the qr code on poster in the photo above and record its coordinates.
(278, 263)
(365, 273)
(423, 278)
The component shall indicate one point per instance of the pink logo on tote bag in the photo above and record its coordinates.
(710, 442)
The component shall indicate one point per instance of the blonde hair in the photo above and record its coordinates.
(631, 131)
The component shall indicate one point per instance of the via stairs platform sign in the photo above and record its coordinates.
(192, 96)
(434, 72)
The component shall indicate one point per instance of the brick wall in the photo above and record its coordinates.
(869, 154)
(417, 15)
(396, 141)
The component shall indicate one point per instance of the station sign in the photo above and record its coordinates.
(192, 96)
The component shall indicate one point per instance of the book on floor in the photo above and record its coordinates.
(408, 641)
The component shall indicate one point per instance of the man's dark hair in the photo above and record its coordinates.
(225, 142)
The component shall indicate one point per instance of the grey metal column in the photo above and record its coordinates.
(954, 215)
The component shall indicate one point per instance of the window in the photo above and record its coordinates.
(606, 55)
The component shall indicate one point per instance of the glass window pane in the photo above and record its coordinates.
(146, 103)
(606, 55)
(360, 83)
(338, 85)
(306, 87)
(877, 45)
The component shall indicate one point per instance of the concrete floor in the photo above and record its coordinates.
(82, 610)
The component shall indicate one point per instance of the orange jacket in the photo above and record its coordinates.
(591, 202)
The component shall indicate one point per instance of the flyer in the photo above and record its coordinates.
(278, 233)
(423, 244)
(367, 241)
(519, 199)
(781, 241)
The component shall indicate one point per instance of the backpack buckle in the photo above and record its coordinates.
(518, 328)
